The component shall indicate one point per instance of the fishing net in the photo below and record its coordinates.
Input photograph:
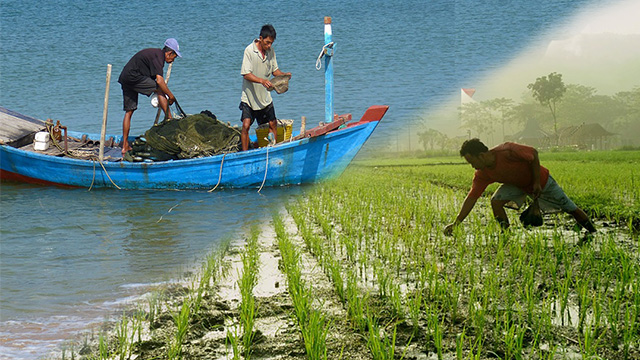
(185, 138)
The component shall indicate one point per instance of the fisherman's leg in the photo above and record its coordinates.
(554, 194)
(130, 104)
(126, 125)
(273, 128)
(583, 220)
(244, 134)
(499, 213)
(506, 193)
(246, 118)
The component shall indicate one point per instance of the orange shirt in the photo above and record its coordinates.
(512, 166)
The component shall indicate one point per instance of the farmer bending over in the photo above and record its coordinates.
(518, 168)
(143, 75)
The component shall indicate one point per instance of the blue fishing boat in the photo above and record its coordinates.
(320, 153)
(317, 154)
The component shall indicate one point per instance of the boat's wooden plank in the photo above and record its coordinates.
(15, 126)
(323, 129)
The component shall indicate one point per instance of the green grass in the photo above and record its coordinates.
(606, 184)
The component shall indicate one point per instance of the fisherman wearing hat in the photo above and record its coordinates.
(143, 75)
(258, 64)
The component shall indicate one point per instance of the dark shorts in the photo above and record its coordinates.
(262, 116)
(130, 92)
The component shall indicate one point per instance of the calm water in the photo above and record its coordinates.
(69, 257)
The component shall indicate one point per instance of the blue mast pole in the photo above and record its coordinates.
(328, 71)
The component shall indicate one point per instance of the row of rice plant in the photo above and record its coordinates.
(363, 313)
(247, 281)
(312, 323)
(482, 292)
(130, 332)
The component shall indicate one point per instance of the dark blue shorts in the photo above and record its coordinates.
(262, 116)
(130, 92)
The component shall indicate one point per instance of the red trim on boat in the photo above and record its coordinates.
(373, 113)
(11, 176)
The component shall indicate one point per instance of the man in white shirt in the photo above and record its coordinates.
(258, 64)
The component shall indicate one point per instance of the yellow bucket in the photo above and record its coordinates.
(283, 133)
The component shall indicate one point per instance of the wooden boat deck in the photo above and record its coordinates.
(14, 127)
(18, 131)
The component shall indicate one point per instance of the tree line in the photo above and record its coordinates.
(549, 104)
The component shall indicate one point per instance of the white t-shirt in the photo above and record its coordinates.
(255, 94)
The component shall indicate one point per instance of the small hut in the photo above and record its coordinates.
(586, 136)
(531, 135)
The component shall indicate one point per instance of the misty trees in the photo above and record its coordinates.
(503, 108)
(548, 91)
(628, 121)
(430, 137)
(483, 117)
(570, 105)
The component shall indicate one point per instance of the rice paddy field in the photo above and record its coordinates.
(359, 268)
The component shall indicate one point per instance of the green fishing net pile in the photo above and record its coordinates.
(185, 138)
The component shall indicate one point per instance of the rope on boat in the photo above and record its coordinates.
(106, 172)
(94, 174)
(94, 160)
(219, 176)
(266, 167)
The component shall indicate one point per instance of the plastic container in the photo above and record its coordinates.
(283, 132)
(41, 141)
(154, 100)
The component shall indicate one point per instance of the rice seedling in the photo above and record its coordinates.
(181, 321)
(475, 349)
(582, 288)
(155, 306)
(315, 335)
(381, 346)
(247, 282)
(103, 348)
(589, 343)
(438, 332)
(232, 340)
(356, 303)
(124, 343)
(313, 325)
(460, 338)
(415, 310)
(629, 331)
(513, 337)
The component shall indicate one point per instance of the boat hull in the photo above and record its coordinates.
(302, 161)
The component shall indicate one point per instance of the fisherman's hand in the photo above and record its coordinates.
(171, 99)
(266, 83)
(448, 230)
